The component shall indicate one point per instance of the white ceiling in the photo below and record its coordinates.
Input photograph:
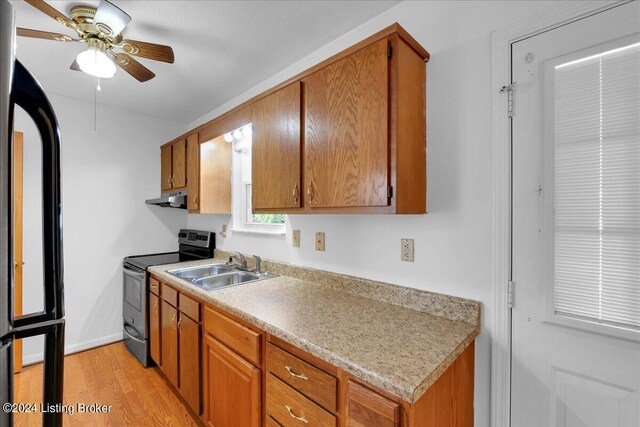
(222, 48)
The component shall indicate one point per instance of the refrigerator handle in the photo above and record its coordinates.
(27, 93)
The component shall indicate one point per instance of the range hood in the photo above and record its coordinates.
(174, 199)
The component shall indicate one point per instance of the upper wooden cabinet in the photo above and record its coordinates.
(166, 178)
(275, 151)
(363, 136)
(173, 165)
(347, 135)
(193, 173)
(346, 131)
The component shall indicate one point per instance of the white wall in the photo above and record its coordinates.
(106, 176)
(453, 243)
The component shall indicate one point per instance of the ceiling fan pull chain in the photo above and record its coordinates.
(95, 104)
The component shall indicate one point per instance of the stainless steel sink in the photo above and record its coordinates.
(201, 271)
(217, 276)
(223, 280)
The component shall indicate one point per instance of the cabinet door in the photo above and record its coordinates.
(232, 387)
(154, 327)
(366, 408)
(189, 331)
(165, 168)
(193, 173)
(346, 131)
(169, 342)
(179, 162)
(215, 176)
(275, 150)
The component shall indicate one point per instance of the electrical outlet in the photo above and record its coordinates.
(320, 241)
(295, 238)
(224, 230)
(406, 250)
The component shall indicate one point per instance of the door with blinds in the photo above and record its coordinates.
(576, 223)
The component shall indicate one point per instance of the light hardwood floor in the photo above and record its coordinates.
(106, 375)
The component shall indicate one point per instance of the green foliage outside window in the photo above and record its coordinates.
(268, 218)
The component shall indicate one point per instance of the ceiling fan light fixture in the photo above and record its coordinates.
(94, 61)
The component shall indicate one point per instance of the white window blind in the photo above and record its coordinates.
(597, 188)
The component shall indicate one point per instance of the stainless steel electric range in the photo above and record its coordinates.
(193, 245)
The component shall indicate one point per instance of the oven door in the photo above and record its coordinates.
(134, 295)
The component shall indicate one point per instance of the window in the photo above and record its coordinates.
(597, 188)
(243, 218)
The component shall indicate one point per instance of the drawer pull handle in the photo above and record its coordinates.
(293, 374)
(294, 416)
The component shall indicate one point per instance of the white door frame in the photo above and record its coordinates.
(501, 41)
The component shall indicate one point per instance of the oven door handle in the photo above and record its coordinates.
(133, 335)
(135, 273)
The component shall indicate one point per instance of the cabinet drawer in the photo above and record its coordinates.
(189, 307)
(290, 408)
(309, 380)
(154, 285)
(170, 295)
(240, 339)
(366, 407)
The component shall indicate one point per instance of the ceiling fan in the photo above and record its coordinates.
(101, 28)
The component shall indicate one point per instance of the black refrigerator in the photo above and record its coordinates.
(18, 87)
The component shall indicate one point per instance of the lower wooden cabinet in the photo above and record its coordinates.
(189, 361)
(169, 352)
(231, 373)
(232, 387)
(154, 327)
(365, 407)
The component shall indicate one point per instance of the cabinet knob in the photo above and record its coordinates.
(294, 416)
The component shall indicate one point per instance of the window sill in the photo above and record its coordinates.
(260, 232)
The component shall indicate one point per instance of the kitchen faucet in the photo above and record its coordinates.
(241, 259)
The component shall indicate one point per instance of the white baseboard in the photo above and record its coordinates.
(29, 359)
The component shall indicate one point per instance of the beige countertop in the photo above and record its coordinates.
(399, 349)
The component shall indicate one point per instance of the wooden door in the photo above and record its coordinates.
(275, 150)
(17, 239)
(169, 340)
(165, 168)
(232, 387)
(190, 361)
(193, 173)
(366, 408)
(346, 131)
(179, 162)
(155, 327)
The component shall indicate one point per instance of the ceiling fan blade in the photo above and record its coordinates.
(157, 52)
(26, 32)
(52, 12)
(133, 67)
(110, 19)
